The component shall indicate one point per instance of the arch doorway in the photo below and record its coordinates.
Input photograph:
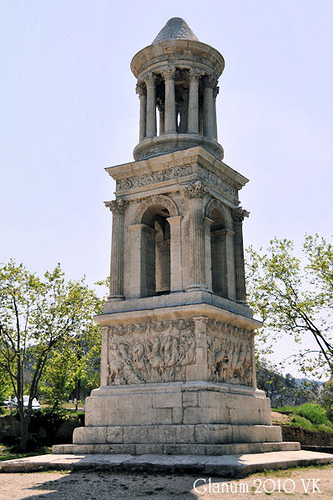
(218, 253)
(155, 252)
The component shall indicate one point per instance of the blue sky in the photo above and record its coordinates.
(69, 109)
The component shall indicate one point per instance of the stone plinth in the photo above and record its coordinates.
(177, 377)
(176, 414)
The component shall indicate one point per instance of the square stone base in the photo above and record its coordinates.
(176, 418)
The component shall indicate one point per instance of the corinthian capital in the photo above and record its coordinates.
(141, 88)
(168, 73)
(195, 190)
(117, 206)
(195, 73)
(238, 214)
(210, 81)
(150, 79)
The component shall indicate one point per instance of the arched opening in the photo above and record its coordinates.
(218, 253)
(155, 252)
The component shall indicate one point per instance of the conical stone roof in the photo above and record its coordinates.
(175, 29)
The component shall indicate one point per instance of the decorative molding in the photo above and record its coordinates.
(157, 199)
(154, 177)
(217, 181)
(150, 352)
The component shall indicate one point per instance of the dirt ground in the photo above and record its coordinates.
(308, 483)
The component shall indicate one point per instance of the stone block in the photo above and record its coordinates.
(114, 434)
(140, 434)
(167, 434)
(209, 433)
(163, 416)
(190, 399)
(194, 415)
(167, 400)
(89, 435)
(144, 449)
(177, 415)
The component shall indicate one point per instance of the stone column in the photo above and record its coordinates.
(117, 208)
(170, 102)
(196, 192)
(161, 122)
(215, 94)
(193, 105)
(151, 107)
(176, 280)
(142, 92)
(238, 215)
(209, 105)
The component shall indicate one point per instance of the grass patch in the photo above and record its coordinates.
(309, 416)
(9, 452)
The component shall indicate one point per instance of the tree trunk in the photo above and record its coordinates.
(78, 392)
(25, 421)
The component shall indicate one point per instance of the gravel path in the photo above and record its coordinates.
(120, 486)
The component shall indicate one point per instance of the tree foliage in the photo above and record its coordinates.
(284, 390)
(295, 295)
(36, 316)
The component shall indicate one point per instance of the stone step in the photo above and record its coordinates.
(223, 466)
(175, 449)
(198, 434)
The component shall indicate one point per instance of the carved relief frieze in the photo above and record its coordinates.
(150, 352)
(154, 177)
(229, 353)
(217, 181)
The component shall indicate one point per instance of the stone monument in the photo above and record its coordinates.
(178, 364)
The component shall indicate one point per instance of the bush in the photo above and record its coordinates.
(315, 413)
(298, 421)
(50, 422)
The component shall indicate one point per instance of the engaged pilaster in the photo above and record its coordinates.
(196, 192)
(238, 215)
(175, 254)
(142, 92)
(117, 208)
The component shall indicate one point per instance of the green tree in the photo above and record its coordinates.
(295, 295)
(74, 367)
(36, 316)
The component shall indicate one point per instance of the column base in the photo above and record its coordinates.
(195, 288)
(113, 298)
